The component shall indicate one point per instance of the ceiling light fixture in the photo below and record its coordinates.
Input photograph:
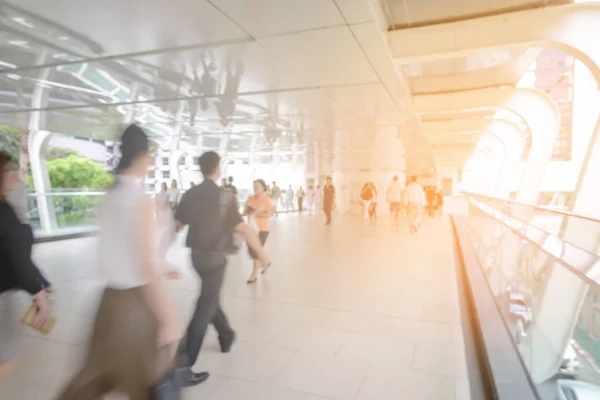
(22, 21)
(19, 43)
(8, 65)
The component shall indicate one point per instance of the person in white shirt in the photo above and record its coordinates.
(173, 194)
(310, 198)
(394, 197)
(135, 321)
(414, 200)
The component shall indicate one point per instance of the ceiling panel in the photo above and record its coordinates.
(121, 27)
(310, 54)
(419, 12)
(368, 102)
(274, 17)
(356, 11)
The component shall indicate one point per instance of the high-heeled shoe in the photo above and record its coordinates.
(251, 281)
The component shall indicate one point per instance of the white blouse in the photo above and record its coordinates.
(118, 222)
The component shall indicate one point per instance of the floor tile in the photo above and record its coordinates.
(333, 377)
(237, 389)
(439, 358)
(377, 348)
(390, 382)
(340, 316)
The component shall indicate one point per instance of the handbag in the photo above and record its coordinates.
(30, 316)
(230, 242)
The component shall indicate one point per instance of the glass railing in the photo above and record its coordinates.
(541, 272)
(580, 231)
(73, 211)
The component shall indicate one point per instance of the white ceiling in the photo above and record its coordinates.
(410, 13)
(315, 70)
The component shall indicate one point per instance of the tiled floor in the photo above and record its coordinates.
(347, 312)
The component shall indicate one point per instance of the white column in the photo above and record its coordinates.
(38, 146)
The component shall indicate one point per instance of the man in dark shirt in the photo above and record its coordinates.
(210, 220)
(231, 186)
(328, 199)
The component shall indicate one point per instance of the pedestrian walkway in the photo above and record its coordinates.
(346, 312)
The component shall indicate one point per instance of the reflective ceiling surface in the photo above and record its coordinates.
(266, 68)
(260, 71)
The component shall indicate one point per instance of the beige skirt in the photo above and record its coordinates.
(122, 355)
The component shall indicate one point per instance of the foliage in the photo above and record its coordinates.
(75, 172)
(59, 152)
(10, 141)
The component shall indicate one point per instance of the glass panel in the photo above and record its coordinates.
(551, 311)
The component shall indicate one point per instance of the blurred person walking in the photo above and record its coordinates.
(328, 200)
(213, 217)
(135, 320)
(17, 270)
(230, 185)
(310, 198)
(18, 199)
(318, 202)
(289, 199)
(373, 206)
(276, 197)
(366, 195)
(394, 197)
(174, 195)
(414, 200)
(300, 196)
(260, 208)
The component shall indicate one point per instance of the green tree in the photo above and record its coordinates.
(59, 152)
(10, 141)
(75, 172)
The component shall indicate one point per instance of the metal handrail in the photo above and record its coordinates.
(532, 206)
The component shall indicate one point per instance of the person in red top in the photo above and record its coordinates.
(260, 208)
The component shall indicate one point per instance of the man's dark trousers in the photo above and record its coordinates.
(208, 309)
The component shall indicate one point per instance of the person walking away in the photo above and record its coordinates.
(231, 186)
(366, 195)
(18, 200)
(260, 208)
(394, 198)
(135, 321)
(310, 198)
(328, 200)
(289, 199)
(373, 207)
(275, 196)
(173, 194)
(440, 201)
(17, 271)
(213, 216)
(431, 200)
(300, 195)
(414, 199)
(318, 202)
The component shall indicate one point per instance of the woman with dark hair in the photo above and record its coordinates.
(17, 270)
(260, 208)
(135, 320)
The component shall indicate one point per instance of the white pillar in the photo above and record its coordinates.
(38, 146)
